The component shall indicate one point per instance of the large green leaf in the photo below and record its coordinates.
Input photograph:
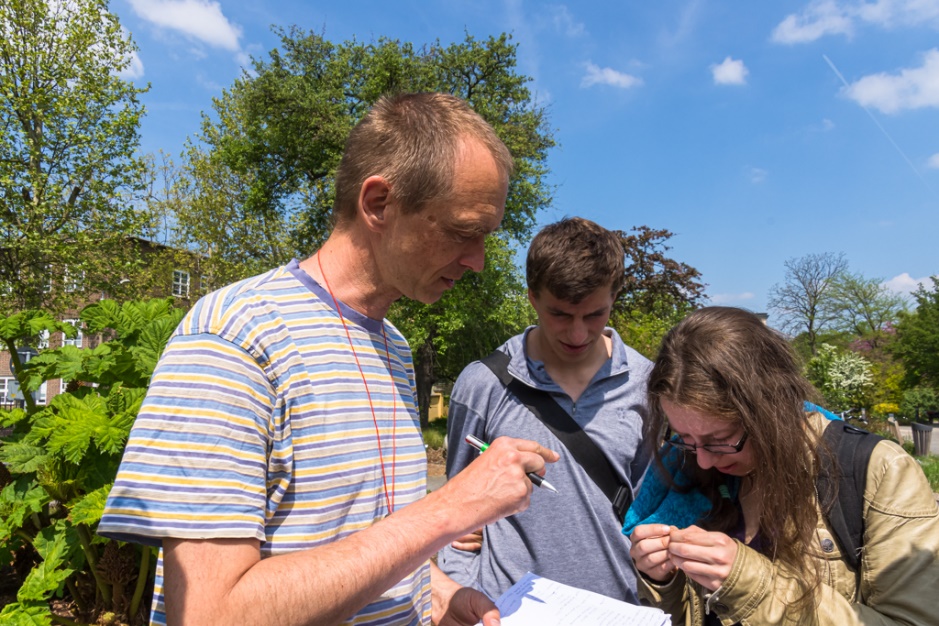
(101, 315)
(12, 417)
(20, 457)
(42, 582)
(89, 509)
(18, 500)
(26, 614)
(78, 420)
(56, 545)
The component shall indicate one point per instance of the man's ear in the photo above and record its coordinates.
(374, 201)
(531, 297)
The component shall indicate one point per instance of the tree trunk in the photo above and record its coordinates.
(424, 377)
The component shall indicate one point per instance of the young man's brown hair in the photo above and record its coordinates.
(411, 140)
(573, 258)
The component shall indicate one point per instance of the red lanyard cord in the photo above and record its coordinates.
(389, 501)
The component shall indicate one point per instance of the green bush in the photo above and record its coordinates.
(919, 400)
(62, 459)
(436, 433)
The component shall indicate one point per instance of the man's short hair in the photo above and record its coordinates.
(573, 258)
(411, 140)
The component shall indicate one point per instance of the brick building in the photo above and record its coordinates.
(170, 272)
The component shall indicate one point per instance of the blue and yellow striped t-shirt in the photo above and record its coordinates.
(257, 424)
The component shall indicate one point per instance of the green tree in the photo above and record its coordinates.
(258, 179)
(865, 307)
(68, 133)
(471, 320)
(803, 301)
(257, 188)
(918, 401)
(917, 341)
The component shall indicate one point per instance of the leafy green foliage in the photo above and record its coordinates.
(256, 185)
(68, 137)
(865, 307)
(917, 401)
(480, 313)
(644, 331)
(917, 342)
(29, 614)
(64, 456)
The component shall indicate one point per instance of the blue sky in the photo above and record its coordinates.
(754, 131)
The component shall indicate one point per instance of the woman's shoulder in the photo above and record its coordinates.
(896, 482)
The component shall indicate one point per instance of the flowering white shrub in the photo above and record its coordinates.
(844, 378)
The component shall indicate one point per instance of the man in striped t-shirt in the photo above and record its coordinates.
(277, 460)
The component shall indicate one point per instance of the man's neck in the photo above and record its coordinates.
(345, 267)
(572, 377)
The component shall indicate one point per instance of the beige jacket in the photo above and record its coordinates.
(899, 565)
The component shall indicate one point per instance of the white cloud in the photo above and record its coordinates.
(758, 175)
(730, 72)
(134, 70)
(893, 13)
(839, 17)
(818, 19)
(198, 19)
(827, 125)
(727, 298)
(933, 162)
(904, 284)
(564, 22)
(607, 76)
(911, 88)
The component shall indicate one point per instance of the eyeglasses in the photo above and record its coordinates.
(713, 448)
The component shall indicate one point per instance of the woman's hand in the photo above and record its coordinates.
(650, 553)
(705, 557)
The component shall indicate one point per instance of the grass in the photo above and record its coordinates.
(436, 433)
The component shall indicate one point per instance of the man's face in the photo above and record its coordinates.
(428, 251)
(572, 331)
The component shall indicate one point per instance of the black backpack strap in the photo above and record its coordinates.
(569, 432)
(852, 448)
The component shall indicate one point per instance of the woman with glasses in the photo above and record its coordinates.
(737, 534)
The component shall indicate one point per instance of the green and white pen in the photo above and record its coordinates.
(538, 481)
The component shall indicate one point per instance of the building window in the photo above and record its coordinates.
(8, 389)
(73, 280)
(181, 283)
(77, 340)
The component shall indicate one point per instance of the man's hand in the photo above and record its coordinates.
(705, 557)
(496, 484)
(455, 605)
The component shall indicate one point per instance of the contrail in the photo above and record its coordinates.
(874, 119)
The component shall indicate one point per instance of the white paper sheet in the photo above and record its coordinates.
(537, 601)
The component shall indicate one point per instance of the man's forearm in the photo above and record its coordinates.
(226, 582)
